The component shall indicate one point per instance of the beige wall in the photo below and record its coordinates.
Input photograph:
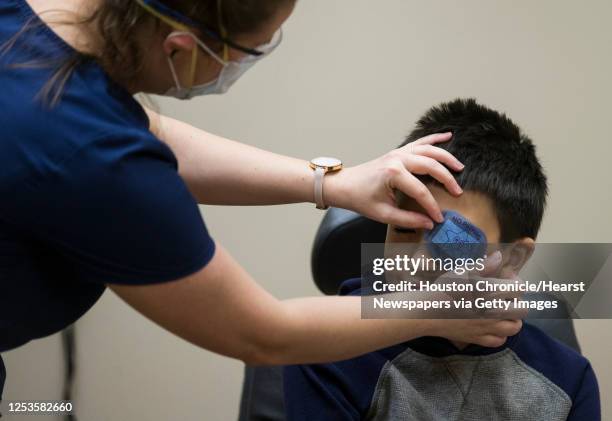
(349, 80)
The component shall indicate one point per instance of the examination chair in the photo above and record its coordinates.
(336, 256)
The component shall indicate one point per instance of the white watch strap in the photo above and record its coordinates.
(319, 174)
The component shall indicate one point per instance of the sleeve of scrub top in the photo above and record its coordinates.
(586, 404)
(118, 212)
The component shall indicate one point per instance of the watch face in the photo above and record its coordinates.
(324, 161)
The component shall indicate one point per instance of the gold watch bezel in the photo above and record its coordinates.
(328, 168)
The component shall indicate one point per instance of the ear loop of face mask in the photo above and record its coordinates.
(223, 32)
(184, 30)
(225, 62)
(194, 58)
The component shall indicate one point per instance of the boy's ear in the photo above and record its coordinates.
(516, 255)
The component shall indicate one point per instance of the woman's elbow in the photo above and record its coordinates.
(269, 347)
(265, 353)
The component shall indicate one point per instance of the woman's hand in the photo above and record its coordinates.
(494, 326)
(369, 188)
(489, 333)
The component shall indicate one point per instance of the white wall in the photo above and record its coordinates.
(349, 80)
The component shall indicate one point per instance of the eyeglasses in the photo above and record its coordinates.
(172, 17)
(264, 50)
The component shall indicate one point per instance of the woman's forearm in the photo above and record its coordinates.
(220, 171)
(223, 172)
(222, 309)
(322, 329)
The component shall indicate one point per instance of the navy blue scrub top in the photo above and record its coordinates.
(89, 195)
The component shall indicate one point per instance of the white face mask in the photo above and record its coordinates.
(230, 72)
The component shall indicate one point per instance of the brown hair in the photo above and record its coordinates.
(118, 23)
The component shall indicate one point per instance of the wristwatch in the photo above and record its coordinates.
(322, 166)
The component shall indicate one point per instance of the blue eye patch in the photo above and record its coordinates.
(456, 237)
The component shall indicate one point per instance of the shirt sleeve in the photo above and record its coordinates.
(117, 211)
(316, 393)
(586, 404)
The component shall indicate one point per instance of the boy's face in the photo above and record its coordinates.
(474, 206)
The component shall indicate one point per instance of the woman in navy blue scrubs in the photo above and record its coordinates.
(99, 192)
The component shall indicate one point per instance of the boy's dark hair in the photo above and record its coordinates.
(500, 162)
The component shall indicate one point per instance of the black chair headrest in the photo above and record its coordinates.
(336, 253)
